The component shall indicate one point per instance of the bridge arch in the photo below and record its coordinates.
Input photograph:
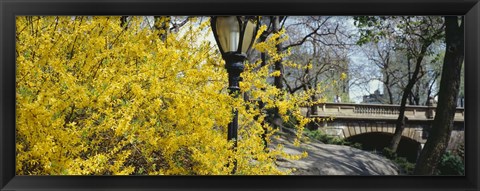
(377, 141)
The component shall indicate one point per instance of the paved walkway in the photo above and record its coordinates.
(326, 159)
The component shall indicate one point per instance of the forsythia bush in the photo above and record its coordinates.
(95, 98)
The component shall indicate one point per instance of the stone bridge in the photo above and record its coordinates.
(346, 120)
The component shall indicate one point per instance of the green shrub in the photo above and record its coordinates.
(321, 136)
(451, 164)
(405, 167)
(389, 153)
(328, 139)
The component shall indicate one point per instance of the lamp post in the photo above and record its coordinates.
(234, 36)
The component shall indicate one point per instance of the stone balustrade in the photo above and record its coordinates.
(376, 111)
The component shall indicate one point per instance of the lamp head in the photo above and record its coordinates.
(234, 34)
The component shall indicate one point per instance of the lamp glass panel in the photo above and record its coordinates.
(228, 32)
(248, 36)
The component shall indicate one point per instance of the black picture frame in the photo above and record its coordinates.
(10, 8)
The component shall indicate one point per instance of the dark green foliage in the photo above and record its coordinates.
(387, 152)
(371, 28)
(451, 164)
(375, 28)
(461, 151)
(328, 139)
(405, 167)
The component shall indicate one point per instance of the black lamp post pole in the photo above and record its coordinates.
(234, 65)
(234, 37)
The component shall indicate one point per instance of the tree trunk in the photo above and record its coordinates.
(261, 105)
(278, 64)
(416, 95)
(400, 124)
(312, 110)
(277, 120)
(388, 88)
(390, 95)
(442, 126)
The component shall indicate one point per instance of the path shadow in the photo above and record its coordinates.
(326, 159)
